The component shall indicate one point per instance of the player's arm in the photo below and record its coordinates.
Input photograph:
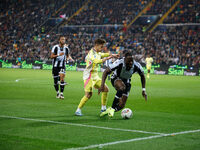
(109, 54)
(55, 55)
(70, 58)
(146, 60)
(143, 80)
(99, 61)
(107, 71)
(104, 76)
(54, 52)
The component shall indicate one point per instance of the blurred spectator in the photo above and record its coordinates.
(23, 36)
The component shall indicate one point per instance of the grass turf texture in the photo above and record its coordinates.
(173, 106)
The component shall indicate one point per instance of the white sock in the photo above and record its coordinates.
(78, 110)
(103, 107)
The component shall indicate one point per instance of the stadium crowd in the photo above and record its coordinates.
(186, 12)
(21, 35)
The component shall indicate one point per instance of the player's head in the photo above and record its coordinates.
(128, 60)
(62, 40)
(99, 44)
(148, 55)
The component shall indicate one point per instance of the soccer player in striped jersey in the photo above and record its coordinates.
(122, 69)
(90, 74)
(59, 54)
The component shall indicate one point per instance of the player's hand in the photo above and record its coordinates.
(144, 94)
(109, 57)
(100, 90)
(61, 54)
(115, 55)
(72, 60)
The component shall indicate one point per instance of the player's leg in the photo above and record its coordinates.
(121, 96)
(55, 73)
(62, 82)
(88, 87)
(116, 100)
(122, 102)
(104, 95)
(109, 77)
(120, 87)
(148, 71)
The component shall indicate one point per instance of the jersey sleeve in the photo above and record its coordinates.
(115, 65)
(94, 60)
(139, 68)
(54, 50)
(104, 55)
(67, 51)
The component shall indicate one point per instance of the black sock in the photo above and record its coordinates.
(62, 86)
(115, 103)
(56, 84)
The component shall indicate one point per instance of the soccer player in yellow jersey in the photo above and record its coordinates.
(148, 61)
(90, 75)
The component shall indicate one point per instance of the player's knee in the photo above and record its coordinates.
(122, 88)
(88, 95)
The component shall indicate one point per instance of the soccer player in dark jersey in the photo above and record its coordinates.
(60, 53)
(122, 69)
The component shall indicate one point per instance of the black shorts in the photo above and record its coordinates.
(57, 70)
(128, 85)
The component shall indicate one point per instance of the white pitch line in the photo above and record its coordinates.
(131, 140)
(81, 125)
(18, 80)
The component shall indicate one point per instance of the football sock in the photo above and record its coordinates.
(104, 98)
(119, 94)
(115, 103)
(103, 107)
(82, 102)
(62, 86)
(56, 84)
(78, 110)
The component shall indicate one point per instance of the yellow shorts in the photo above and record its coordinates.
(89, 84)
(148, 67)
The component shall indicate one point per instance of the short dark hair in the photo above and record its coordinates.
(61, 36)
(99, 41)
(128, 53)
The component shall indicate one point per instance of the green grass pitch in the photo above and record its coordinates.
(31, 118)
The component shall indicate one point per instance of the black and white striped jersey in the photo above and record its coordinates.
(60, 61)
(109, 61)
(119, 69)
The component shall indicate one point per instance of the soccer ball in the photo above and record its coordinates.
(126, 113)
